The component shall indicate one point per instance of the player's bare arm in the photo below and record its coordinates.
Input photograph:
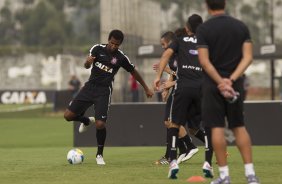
(163, 62)
(224, 84)
(247, 50)
(138, 77)
(89, 61)
(167, 69)
(169, 83)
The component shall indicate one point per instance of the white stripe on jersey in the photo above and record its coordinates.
(94, 47)
(110, 96)
(126, 58)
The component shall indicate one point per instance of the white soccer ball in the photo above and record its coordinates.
(75, 156)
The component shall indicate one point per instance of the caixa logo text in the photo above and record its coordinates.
(23, 97)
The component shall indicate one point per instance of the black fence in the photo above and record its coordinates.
(141, 124)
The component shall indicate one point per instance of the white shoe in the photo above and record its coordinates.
(189, 155)
(225, 180)
(180, 158)
(100, 160)
(252, 179)
(173, 170)
(207, 170)
(83, 127)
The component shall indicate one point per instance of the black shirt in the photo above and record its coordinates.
(223, 36)
(173, 64)
(106, 65)
(189, 71)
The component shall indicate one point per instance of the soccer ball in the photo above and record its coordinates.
(75, 156)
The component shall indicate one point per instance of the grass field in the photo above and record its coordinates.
(34, 144)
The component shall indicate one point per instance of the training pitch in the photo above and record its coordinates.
(34, 144)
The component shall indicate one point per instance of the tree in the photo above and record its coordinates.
(45, 22)
(184, 8)
(7, 26)
(259, 19)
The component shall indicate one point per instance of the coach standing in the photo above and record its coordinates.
(225, 52)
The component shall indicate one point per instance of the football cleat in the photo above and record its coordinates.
(100, 160)
(252, 179)
(83, 127)
(190, 154)
(162, 161)
(225, 180)
(180, 158)
(173, 170)
(207, 170)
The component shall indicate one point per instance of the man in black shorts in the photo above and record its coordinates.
(105, 59)
(225, 52)
(186, 147)
(188, 85)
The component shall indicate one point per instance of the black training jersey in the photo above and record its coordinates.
(223, 36)
(107, 64)
(189, 71)
(173, 64)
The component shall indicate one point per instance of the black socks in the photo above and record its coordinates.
(173, 141)
(83, 119)
(101, 138)
(208, 146)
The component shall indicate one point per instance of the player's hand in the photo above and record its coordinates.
(89, 61)
(165, 95)
(156, 84)
(167, 84)
(225, 82)
(226, 89)
(149, 93)
(156, 67)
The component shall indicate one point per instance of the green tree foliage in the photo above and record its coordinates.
(7, 26)
(184, 7)
(45, 25)
(259, 19)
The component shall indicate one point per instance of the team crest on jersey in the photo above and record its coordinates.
(114, 60)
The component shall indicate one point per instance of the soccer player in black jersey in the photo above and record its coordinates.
(225, 52)
(166, 39)
(105, 59)
(194, 122)
(188, 85)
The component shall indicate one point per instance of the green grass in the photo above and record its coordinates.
(33, 151)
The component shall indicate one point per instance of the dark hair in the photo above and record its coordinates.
(168, 36)
(180, 32)
(216, 4)
(193, 22)
(116, 34)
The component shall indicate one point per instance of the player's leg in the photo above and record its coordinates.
(193, 111)
(190, 150)
(173, 131)
(235, 117)
(165, 159)
(78, 106)
(213, 117)
(101, 107)
(204, 135)
(75, 112)
(207, 166)
(243, 142)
